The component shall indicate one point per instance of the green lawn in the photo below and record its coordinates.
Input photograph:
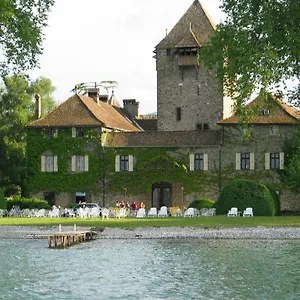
(218, 221)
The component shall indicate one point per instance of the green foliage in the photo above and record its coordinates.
(243, 193)
(202, 203)
(3, 202)
(27, 203)
(21, 24)
(276, 199)
(291, 173)
(256, 46)
(16, 110)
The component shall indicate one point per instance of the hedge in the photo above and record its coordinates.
(202, 203)
(27, 203)
(242, 193)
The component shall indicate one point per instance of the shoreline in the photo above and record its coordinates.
(22, 232)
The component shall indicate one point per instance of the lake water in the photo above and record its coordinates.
(151, 269)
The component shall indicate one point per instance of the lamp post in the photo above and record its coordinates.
(103, 176)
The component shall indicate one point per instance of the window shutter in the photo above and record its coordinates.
(192, 162)
(86, 163)
(43, 163)
(251, 161)
(73, 163)
(205, 162)
(55, 168)
(73, 132)
(238, 161)
(117, 166)
(281, 161)
(130, 161)
(267, 161)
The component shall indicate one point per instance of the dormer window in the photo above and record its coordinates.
(265, 112)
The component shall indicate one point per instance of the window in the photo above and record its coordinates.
(80, 163)
(77, 132)
(198, 89)
(274, 130)
(178, 113)
(49, 163)
(205, 126)
(265, 112)
(199, 126)
(198, 161)
(245, 161)
(51, 132)
(169, 52)
(124, 163)
(180, 88)
(274, 161)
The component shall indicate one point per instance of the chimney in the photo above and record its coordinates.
(132, 107)
(94, 93)
(38, 106)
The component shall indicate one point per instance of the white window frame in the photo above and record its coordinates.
(118, 163)
(268, 160)
(45, 166)
(75, 163)
(238, 160)
(205, 162)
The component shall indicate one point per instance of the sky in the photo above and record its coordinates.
(110, 40)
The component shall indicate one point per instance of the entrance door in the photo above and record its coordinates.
(162, 194)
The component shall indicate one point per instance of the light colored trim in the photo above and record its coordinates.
(86, 163)
(55, 167)
(205, 162)
(43, 163)
(267, 160)
(73, 132)
(117, 163)
(252, 161)
(238, 161)
(281, 160)
(130, 162)
(192, 162)
(73, 163)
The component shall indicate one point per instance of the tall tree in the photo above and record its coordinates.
(257, 46)
(21, 24)
(16, 110)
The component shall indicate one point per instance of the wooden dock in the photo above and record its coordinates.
(67, 239)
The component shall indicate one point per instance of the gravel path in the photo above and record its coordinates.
(19, 232)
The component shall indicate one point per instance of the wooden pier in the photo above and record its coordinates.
(67, 239)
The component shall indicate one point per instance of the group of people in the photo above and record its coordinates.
(134, 206)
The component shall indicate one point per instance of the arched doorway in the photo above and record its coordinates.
(162, 194)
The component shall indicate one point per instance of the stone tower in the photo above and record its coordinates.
(188, 95)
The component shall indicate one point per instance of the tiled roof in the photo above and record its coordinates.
(148, 124)
(190, 40)
(278, 112)
(81, 110)
(164, 139)
(196, 18)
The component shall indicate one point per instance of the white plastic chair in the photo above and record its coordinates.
(248, 212)
(163, 212)
(233, 212)
(152, 212)
(191, 212)
(41, 213)
(105, 213)
(141, 213)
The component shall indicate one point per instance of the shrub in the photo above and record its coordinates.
(3, 202)
(202, 203)
(243, 193)
(27, 203)
(71, 204)
(276, 199)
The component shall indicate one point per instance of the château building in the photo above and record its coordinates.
(91, 148)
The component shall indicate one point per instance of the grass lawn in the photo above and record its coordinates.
(208, 222)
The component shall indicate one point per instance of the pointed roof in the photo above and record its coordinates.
(80, 110)
(195, 18)
(278, 112)
(189, 41)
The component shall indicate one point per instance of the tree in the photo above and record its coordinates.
(21, 24)
(16, 110)
(257, 46)
(291, 172)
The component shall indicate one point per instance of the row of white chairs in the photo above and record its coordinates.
(234, 212)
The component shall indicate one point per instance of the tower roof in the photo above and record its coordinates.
(194, 28)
